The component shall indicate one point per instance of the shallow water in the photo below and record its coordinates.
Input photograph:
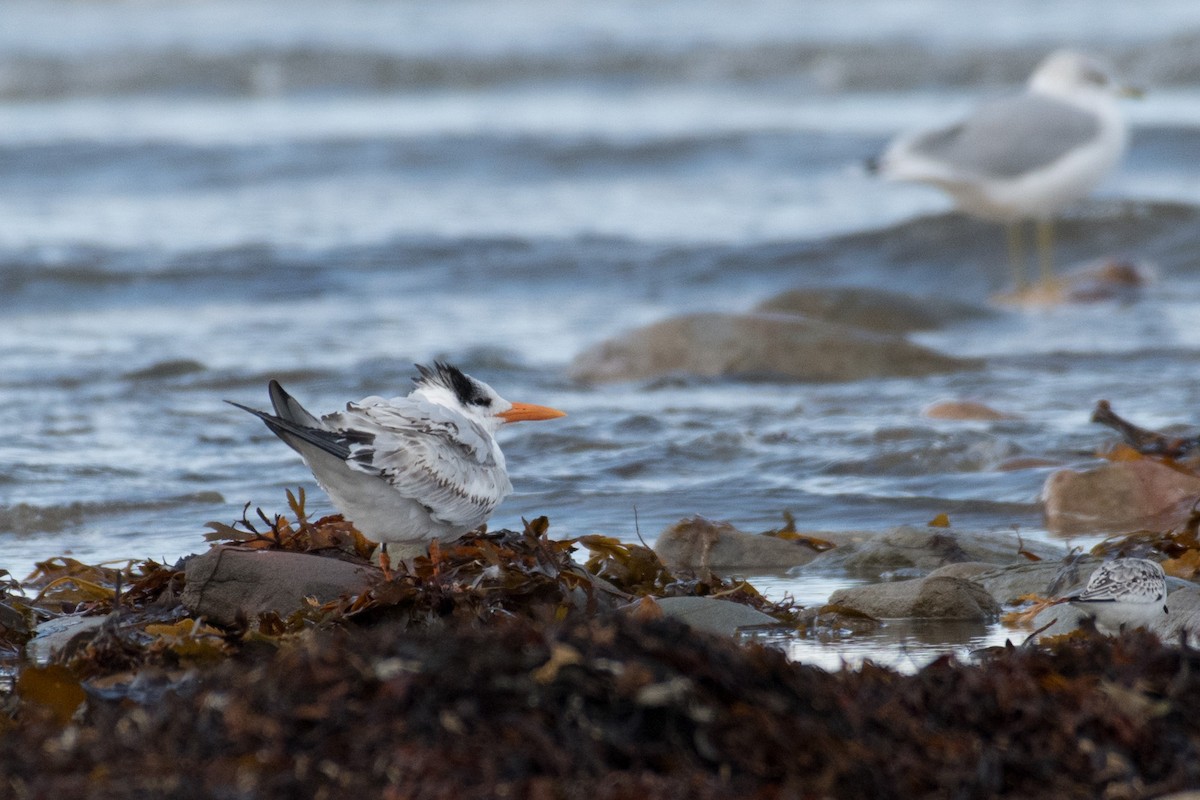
(199, 196)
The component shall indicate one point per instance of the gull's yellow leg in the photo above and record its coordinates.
(1045, 246)
(1016, 255)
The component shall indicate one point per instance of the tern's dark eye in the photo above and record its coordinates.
(483, 402)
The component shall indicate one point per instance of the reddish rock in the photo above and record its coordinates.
(1097, 281)
(965, 410)
(1118, 495)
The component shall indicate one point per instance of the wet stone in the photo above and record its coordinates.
(758, 345)
(921, 550)
(965, 410)
(712, 615)
(873, 309)
(1119, 494)
(699, 543)
(228, 582)
(55, 635)
(924, 598)
(1041, 578)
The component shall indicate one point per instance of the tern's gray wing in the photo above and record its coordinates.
(1010, 137)
(431, 454)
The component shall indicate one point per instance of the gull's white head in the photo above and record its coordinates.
(452, 388)
(1068, 74)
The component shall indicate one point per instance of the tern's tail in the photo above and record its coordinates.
(296, 427)
(288, 408)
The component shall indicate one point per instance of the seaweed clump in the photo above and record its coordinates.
(144, 628)
(502, 666)
(614, 707)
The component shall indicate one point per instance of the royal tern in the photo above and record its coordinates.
(1124, 592)
(1023, 157)
(409, 471)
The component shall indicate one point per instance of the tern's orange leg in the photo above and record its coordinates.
(435, 557)
(385, 562)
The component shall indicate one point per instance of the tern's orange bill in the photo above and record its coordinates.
(528, 411)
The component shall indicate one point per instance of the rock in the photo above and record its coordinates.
(1118, 495)
(1027, 462)
(56, 634)
(174, 368)
(873, 309)
(931, 597)
(921, 550)
(967, 570)
(1060, 620)
(1042, 578)
(227, 582)
(965, 410)
(1103, 280)
(722, 617)
(1183, 615)
(699, 543)
(758, 345)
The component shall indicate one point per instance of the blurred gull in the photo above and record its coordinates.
(1023, 157)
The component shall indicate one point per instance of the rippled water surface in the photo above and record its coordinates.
(199, 196)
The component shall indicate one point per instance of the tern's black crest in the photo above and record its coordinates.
(466, 390)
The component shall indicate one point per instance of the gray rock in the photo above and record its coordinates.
(1043, 578)
(1060, 619)
(55, 634)
(922, 550)
(1183, 615)
(967, 570)
(227, 582)
(722, 617)
(699, 543)
(926, 598)
(873, 309)
(758, 345)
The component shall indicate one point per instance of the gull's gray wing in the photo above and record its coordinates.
(1010, 137)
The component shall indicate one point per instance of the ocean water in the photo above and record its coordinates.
(197, 196)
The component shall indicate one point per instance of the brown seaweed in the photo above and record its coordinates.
(616, 707)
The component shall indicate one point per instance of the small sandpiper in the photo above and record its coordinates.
(1124, 593)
